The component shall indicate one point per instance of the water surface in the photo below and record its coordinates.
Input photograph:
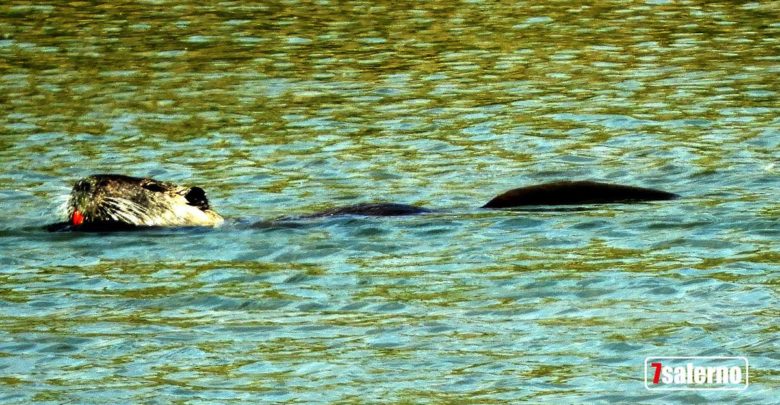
(288, 107)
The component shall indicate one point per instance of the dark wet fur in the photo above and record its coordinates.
(576, 193)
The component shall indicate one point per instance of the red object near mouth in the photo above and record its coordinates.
(77, 218)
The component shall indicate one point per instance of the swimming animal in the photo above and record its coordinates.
(109, 202)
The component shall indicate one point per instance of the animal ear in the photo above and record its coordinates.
(197, 198)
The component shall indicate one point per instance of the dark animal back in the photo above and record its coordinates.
(576, 193)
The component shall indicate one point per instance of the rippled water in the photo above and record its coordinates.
(290, 107)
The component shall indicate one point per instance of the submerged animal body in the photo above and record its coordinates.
(108, 202)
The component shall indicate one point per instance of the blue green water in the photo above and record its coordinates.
(286, 108)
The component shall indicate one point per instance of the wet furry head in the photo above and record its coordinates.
(134, 201)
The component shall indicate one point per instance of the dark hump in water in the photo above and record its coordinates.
(576, 193)
(374, 210)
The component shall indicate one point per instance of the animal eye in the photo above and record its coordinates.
(153, 187)
(197, 198)
(81, 186)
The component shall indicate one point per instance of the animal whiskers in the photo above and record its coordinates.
(125, 210)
